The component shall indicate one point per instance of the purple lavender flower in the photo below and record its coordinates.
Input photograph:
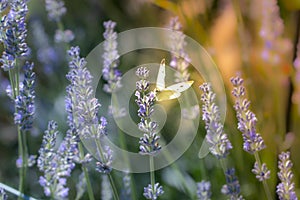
(81, 106)
(56, 164)
(24, 102)
(3, 195)
(13, 33)
(46, 54)
(286, 188)
(271, 32)
(203, 190)
(30, 161)
(153, 192)
(104, 166)
(253, 142)
(3, 5)
(220, 145)
(56, 9)
(110, 58)
(180, 60)
(64, 36)
(232, 188)
(145, 100)
(262, 173)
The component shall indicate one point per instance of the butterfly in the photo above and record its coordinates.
(172, 92)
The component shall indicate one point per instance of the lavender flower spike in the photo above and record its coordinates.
(203, 190)
(220, 145)
(253, 142)
(24, 102)
(110, 58)
(56, 164)
(286, 188)
(153, 192)
(145, 100)
(13, 34)
(56, 9)
(232, 188)
(180, 60)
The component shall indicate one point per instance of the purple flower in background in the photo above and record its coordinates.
(272, 28)
(232, 188)
(64, 36)
(46, 54)
(203, 190)
(286, 188)
(153, 192)
(110, 58)
(253, 142)
(56, 9)
(24, 102)
(13, 34)
(218, 140)
(180, 60)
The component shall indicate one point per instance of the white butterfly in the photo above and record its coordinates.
(171, 92)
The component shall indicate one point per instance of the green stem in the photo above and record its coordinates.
(22, 147)
(124, 147)
(152, 173)
(21, 169)
(86, 174)
(266, 187)
(111, 181)
(115, 192)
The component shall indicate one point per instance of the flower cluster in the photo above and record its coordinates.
(180, 60)
(56, 164)
(153, 192)
(286, 188)
(203, 190)
(13, 34)
(219, 143)
(232, 188)
(262, 172)
(46, 54)
(272, 28)
(145, 100)
(56, 9)
(82, 107)
(253, 142)
(110, 58)
(64, 36)
(24, 102)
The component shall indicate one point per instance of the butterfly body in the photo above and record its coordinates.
(171, 92)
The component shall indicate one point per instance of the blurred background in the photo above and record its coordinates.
(256, 38)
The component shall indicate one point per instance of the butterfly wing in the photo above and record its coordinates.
(180, 87)
(160, 81)
(204, 149)
(167, 95)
